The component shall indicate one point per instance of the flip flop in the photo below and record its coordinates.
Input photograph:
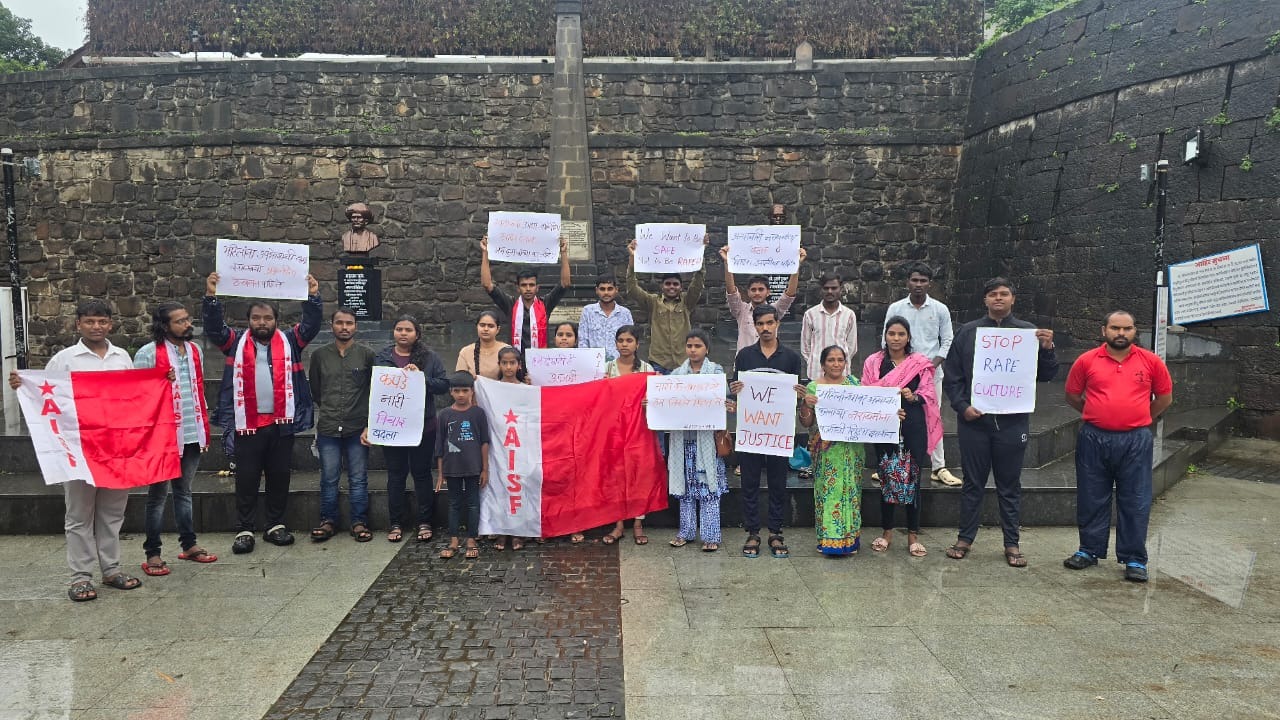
(917, 550)
(710, 547)
(198, 554)
(448, 553)
(577, 538)
(880, 544)
(121, 581)
(958, 552)
(472, 553)
(155, 570)
(610, 539)
(642, 539)
(678, 542)
(1015, 558)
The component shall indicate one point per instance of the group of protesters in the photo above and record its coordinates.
(267, 398)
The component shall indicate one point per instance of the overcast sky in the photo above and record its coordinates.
(59, 23)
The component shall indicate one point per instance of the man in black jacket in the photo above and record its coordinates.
(991, 444)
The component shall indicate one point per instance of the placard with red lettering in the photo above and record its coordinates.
(766, 414)
(686, 402)
(523, 237)
(669, 247)
(564, 366)
(397, 407)
(247, 268)
(1004, 371)
(764, 249)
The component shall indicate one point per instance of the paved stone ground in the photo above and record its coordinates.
(511, 636)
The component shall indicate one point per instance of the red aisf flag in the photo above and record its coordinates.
(113, 429)
(566, 459)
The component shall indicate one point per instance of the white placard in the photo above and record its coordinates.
(247, 268)
(766, 414)
(686, 402)
(669, 247)
(1218, 286)
(764, 249)
(531, 238)
(397, 407)
(1004, 371)
(564, 366)
(853, 413)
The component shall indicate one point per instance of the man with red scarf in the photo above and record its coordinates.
(171, 350)
(265, 400)
(527, 311)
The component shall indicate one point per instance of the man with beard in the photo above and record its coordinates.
(991, 444)
(340, 375)
(171, 349)
(1119, 389)
(528, 311)
(670, 312)
(265, 400)
(825, 324)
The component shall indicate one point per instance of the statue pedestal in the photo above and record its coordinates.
(360, 287)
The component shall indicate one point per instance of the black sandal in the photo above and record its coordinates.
(752, 547)
(82, 592)
(361, 533)
(425, 532)
(122, 581)
(778, 550)
(324, 532)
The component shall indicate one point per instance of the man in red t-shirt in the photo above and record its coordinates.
(1119, 390)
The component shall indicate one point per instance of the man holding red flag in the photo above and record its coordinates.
(94, 514)
(265, 400)
(172, 351)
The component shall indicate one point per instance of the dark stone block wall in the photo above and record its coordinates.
(1063, 113)
(146, 166)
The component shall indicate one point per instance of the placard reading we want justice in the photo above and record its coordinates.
(1004, 371)
(532, 238)
(766, 414)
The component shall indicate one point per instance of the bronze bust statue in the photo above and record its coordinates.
(359, 239)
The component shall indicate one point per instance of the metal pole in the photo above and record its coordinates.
(1160, 316)
(11, 226)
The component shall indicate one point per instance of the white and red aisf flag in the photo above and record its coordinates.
(114, 429)
(570, 458)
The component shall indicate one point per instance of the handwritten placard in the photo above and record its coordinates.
(764, 249)
(1004, 371)
(247, 268)
(397, 407)
(564, 366)
(766, 414)
(532, 238)
(1217, 286)
(851, 413)
(669, 247)
(686, 402)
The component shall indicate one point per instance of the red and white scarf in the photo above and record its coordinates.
(245, 386)
(537, 329)
(168, 360)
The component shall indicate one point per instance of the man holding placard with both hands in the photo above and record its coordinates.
(528, 311)
(993, 399)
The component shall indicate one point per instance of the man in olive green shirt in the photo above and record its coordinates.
(339, 378)
(670, 313)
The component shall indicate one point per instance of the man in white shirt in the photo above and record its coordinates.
(830, 323)
(931, 335)
(94, 515)
(600, 320)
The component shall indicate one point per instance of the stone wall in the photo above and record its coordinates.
(146, 166)
(1064, 112)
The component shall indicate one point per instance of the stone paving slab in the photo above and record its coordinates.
(511, 636)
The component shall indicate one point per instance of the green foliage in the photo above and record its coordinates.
(1119, 137)
(1005, 16)
(21, 49)
(1272, 121)
(1110, 188)
(1246, 163)
(620, 28)
(1273, 41)
(1219, 119)
(1234, 404)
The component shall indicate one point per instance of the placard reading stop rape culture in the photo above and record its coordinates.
(1004, 371)
(522, 237)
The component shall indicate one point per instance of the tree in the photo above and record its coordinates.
(21, 49)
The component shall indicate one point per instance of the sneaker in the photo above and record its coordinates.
(1135, 572)
(1080, 561)
(946, 477)
(279, 535)
(243, 543)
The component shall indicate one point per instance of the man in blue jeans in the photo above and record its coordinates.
(171, 349)
(339, 377)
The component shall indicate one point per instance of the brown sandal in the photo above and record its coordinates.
(448, 553)
(1014, 557)
(958, 552)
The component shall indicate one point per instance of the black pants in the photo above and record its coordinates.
(1107, 459)
(464, 497)
(992, 445)
(269, 451)
(403, 461)
(776, 469)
